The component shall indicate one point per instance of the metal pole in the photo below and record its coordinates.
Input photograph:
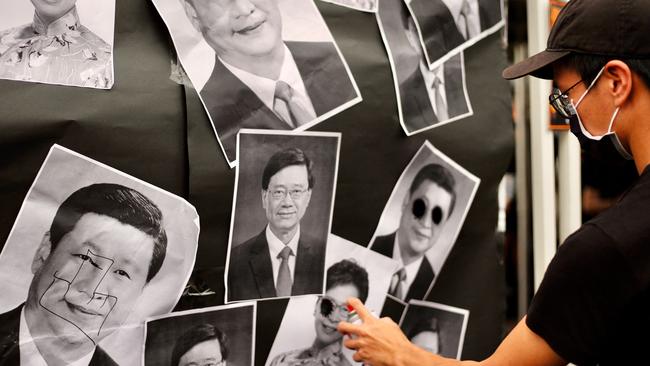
(542, 162)
(569, 185)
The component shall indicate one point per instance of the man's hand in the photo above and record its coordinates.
(380, 342)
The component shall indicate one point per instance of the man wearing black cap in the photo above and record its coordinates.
(591, 308)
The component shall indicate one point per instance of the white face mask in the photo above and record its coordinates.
(582, 127)
(586, 134)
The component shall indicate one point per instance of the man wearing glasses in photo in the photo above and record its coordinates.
(345, 279)
(591, 307)
(425, 210)
(282, 260)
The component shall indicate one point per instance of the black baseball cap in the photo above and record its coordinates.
(616, 28)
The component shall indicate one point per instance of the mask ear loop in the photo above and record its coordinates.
(611, 122)
(589, 88)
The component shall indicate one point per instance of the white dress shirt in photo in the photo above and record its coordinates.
(429, 80)
(466, 15)
(276, 246)
(411, 268)
(264, 88)
(29, 354)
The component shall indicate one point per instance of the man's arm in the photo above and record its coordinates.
(380, 342)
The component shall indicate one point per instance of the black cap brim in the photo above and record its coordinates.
(538, 65)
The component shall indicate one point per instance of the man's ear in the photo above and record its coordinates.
(308, 198)
(42, 253)
(620, 81)
(264, 193)
(192, 14)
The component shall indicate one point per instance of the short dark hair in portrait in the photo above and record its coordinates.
(284, 158)
(439, 175)
(168, 339)
(199, 334)
(124, 204)
(348, 272)
(449, 326)
(317, 153)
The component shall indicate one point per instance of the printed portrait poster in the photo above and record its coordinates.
(308, 328)
(271, 64)
(92, 253)
(425, 98)
(58, 42)
(437, 328)
(205, 336)
(447, 27)
(362, 5)
(282, 214)
(422, 219)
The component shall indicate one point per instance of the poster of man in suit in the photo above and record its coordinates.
(426, 98)
(259, 64)
(282, 211)
(92, 253)
(422, 219)
(449, 26)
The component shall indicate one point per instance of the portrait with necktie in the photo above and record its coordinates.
(280, 226)
(259, 80)
(428, 98)
(426, 209)
(445, 25)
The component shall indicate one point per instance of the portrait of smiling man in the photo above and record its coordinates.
(282, 260)
(260, 80)
(56, 47)
(105, 244)
(426, 208)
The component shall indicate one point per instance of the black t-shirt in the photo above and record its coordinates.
(593, 306)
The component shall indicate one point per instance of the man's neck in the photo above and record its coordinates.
(268, 65)
(56, 350)
(638, 132)
(285, 236)
(406, 255)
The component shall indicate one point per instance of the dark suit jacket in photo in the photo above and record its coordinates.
(384, 245)
(417, 112)
(233, 106)
(10, 351)
(250, 274)
(438, 28)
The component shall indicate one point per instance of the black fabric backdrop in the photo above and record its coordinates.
(156, 130)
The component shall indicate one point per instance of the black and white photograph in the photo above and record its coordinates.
(447, 27)
(307, 334)
(220, 335)
(362, 5)
(437, 328)
(282, 213)
(425, 98)
(62, 42)
(259, 64)
(92, 253)
(422, 219)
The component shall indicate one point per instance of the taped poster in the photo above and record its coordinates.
(422, 219)
(92, 253)
(282, 213)
(308, 334)
(260, 65)
(58, 42)
(447, 27)
(220, 335)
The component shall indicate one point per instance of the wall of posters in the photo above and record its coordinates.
(148, 126)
